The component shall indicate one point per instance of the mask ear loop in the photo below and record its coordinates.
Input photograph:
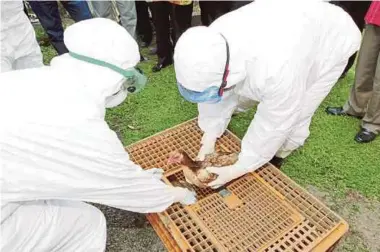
(125, 73)
(97, 62)
(226, 69)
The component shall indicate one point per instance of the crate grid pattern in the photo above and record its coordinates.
(163, 233)
(160, 145)
(194, 235)
(320, 216)
(301, 238)
(261, 218)
(305, 235)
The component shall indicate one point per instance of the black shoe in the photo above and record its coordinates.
(277, 161)
(365, 136)
(338, 111)
(162, 63)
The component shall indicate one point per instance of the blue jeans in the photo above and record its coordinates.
(48, 14)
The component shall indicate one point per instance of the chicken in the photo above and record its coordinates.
(195, 171)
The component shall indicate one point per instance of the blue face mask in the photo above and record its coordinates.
(212, 94)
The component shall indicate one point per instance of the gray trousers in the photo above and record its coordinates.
(365, 95)
(126, 9)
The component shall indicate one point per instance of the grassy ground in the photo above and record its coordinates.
(330, 160)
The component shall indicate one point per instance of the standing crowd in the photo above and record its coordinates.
(169, 19)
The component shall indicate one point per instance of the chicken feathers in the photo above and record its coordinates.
(195, 171)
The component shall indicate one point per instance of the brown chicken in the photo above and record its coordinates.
(195, 171)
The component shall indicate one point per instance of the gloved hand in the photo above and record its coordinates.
(225, 174)
(156, 173)
(208, 147)
(184, 196)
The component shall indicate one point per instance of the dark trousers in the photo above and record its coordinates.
(144, 27)
(180, 17)
(357, 11)
(50, 19)
(211, 10)
(237, 4)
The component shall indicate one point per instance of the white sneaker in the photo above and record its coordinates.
(33, 19)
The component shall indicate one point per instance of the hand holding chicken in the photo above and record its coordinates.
(224, 175)
(209, 172)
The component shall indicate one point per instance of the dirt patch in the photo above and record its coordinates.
(363, 216)
(129, 232)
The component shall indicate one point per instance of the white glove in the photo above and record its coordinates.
(208, 147)
(225, 174)
(155, 172)
(184, 196)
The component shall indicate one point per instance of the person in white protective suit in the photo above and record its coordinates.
(56, 150)
(288, 62)
(19, 47)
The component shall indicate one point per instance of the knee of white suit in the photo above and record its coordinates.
(296, 140)
(94, 231)
(90, 229)
(83, 225)
(45, 225)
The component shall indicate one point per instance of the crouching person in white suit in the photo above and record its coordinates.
(56, 150)
(288, 72)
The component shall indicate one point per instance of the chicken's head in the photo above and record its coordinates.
(175, 157)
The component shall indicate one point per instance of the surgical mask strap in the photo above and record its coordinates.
(101, 63)
(226, 69)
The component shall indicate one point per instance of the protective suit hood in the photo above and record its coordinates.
(200, 57)
(104, 40)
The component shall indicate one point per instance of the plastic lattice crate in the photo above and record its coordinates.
(261, 211)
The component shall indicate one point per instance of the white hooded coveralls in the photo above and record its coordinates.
(56, 150)
(19, 47)
(285, 55)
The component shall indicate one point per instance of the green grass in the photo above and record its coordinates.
(330, 159)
